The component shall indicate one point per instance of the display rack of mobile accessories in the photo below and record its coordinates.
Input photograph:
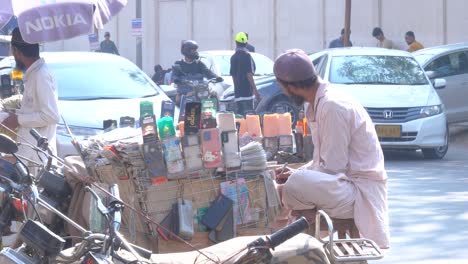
(201, 192)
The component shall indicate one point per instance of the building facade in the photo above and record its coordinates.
(273, 25)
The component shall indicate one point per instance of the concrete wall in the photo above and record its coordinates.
(275, 25)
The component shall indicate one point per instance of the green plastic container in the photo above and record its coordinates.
(166, 127)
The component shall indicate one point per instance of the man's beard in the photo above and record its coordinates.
(20, 65)
(298, 100)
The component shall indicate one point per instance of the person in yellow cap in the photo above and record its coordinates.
(242, 72)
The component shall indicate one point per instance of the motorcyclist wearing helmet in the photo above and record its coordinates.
(190, 67)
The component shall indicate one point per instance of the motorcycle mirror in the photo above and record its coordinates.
(7, 145)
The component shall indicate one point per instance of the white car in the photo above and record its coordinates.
(396, 92)
(94, 87)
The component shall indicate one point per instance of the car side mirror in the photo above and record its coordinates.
(440, 83)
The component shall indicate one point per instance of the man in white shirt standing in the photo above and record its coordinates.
(39, 103)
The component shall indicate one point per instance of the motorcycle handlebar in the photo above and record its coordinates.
(42, 143)
(287, 232)
(35, 134)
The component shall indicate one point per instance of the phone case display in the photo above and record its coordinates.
(211, 148)
(192, 152)
(152, 151)
(173, 158)
(146, 108)
(166, 127)
(167, 108)
(208, 113)
(192, 118)
(237, 191)
(231, 153)
(230, 140)
(127, 121)
(183, 101)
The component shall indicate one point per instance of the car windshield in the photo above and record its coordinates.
(263, 65)
(101, 80)
(423, 58)
(365, 69)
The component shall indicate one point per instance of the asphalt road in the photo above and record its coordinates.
(428, 203)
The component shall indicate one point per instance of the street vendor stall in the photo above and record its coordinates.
(205, 206)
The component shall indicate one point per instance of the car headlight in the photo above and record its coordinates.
(431, 110)
(81, 132)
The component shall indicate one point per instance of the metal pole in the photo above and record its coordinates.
(139, 42)
(158, 36)
(190, 19)
(275, 28)
(324, 24)
(231, 24)
(347, 23)
(444, 21)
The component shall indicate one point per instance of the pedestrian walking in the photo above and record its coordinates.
(242, 72)
(383, 42)
(108, 46)
(413, 45)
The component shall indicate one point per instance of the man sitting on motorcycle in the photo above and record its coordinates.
(190, 67)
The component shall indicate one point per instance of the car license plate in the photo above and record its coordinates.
(388, 131)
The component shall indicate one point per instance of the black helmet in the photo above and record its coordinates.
(187, 49)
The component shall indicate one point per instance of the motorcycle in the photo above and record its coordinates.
(196, 88)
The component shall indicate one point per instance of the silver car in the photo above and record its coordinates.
(451, 63)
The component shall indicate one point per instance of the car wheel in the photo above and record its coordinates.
(284, 104)
(439, 152)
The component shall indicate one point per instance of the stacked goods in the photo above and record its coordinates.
(175, 177)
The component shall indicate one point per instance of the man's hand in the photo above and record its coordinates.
(282, 174)
(11, 121)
